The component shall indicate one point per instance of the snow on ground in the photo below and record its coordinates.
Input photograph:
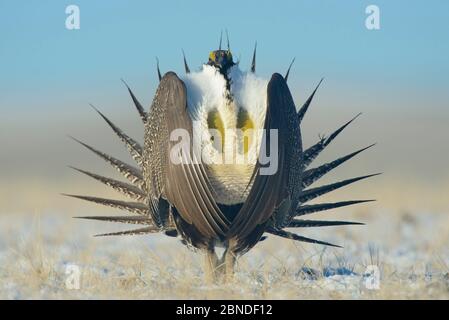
(40, 256)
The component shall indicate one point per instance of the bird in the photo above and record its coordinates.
(211, 205)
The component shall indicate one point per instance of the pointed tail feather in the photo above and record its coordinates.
(134, 148)
(307, 209)
(311, 153)
(134, 207)
(312, 175)
(186, 66)
(318, 223)
(125, 219)
(159, 75)
(133, 232)
(313, 193)
(253, 63)
(127, 189)
(140, 109)
(306, 104)
(293, 236)
(131, 173)
(288, 70)
(227, 38)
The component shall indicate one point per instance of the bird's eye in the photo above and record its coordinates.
(246, 125)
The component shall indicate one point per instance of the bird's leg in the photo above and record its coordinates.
(229, 262)
(210, 265)
(221, 265)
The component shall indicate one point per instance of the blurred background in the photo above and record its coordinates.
(397, 77)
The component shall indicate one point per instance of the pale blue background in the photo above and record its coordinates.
(397, 76)
(39, 57)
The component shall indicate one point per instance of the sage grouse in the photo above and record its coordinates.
(215, 203)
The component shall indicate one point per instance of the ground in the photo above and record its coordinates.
(41, 254)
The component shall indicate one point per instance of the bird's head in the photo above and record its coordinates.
(222, 60)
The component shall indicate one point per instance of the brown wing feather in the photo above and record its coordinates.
(187, 187)
(271, 194)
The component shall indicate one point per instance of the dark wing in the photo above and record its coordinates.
(273, 193)
(186, 186)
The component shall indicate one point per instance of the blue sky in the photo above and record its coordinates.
(40, 58)
(397, 76)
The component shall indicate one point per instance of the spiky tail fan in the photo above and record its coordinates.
(136, 190)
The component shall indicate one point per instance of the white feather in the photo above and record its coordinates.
(206, 92)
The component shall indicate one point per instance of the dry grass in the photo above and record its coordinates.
(410, 251)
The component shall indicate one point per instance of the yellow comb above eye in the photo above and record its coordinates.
(215, 122)
(245, 124)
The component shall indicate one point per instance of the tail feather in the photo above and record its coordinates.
(312, 175)
(124, 219)
(310, 194)
(293, 236)
(306, 104)
(253, 62)
(134, 207)
(127, 189)
(288, 70)
(135, 149)
(318, 223)
(133, 232)
(307, 209)
(159, 75)
(143, 209)
(140, 109)
(311, 153)
(131, 173)
(186, 66)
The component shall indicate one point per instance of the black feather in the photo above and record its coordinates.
(318, 223)
(133, 232)
(134, 207)
(312, 175)
(292, 236)
(307, 209)
(138, 105)
(313, 193)
(311, 153)
(253, 63)
(306, 104)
